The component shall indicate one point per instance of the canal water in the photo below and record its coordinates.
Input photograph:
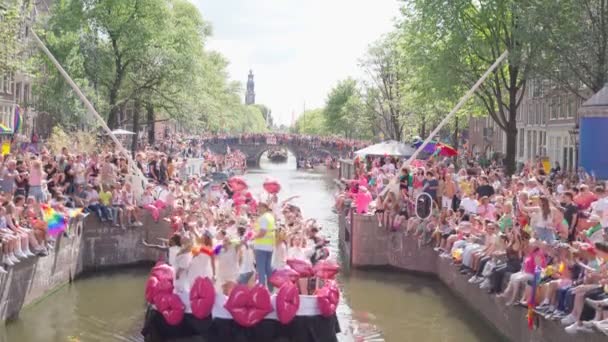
(376, 305)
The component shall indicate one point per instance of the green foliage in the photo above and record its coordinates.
(311, 122)
(344, 112)
(13, 14)
(140, 53)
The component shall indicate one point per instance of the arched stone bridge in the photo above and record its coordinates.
(254, 147)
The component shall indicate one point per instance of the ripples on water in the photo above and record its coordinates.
(375, 306)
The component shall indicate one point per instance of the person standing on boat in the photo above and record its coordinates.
(263, 243)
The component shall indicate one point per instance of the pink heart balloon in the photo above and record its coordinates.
(272, 186)
(202, 297)
(288, 303)
(163, 271)
(164, 286)
(326, 269)
(172, 309)
(326, 305)
(282, 276)
(303, 267)
(151, 286)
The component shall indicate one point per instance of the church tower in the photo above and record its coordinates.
(250, 96)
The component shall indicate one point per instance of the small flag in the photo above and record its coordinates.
(532, 299)
(56, 222)
(18, 120)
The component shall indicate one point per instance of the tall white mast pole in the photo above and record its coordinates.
(90, 109)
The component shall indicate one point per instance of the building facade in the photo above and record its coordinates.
(546, 121)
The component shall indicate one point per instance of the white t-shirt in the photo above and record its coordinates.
(470, 205)
(182, 262)
(279, 257)
(600, 208)
(173, 254)
(247, 260)
(200, 266)
(227, 265)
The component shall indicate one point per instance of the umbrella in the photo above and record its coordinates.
(446, 150)
(5, 130)
(122, 132)
(428, 148)
(387, 148)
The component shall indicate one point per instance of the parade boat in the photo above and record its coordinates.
(277, 155)
(247, 314)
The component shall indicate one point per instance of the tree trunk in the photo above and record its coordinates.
(151, 117)
(135, 137)
(511, 136)
(423, 128)
(114, 109)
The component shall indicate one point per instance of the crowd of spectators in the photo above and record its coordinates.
(538, 228)
(32, 180)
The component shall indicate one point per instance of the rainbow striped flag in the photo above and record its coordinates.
(55, 221)
(532, 299)
(18, 120)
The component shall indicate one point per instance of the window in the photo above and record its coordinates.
(571, 106)
(537, 113)
(1, 84)
(7, 84)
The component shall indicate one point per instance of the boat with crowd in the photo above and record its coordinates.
(216, 284)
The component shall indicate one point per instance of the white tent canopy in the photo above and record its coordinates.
(389, 148)
(122, 132)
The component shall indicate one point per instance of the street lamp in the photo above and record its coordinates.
(574, 138)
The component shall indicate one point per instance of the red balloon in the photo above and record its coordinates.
(163, 271)
(249, 307)
(172, 308)
(303, 267)
(272, 186)
(151, 288)
(202, 297)
(326, 306)
(326, 269)
(288, 302)
(237, 183)
(282, 276)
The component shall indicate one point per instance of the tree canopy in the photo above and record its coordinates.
(141, 56)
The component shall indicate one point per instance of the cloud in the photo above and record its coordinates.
(297, 49)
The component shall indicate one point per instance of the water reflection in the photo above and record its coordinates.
(376, 306)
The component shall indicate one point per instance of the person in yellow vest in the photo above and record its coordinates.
(263, 243)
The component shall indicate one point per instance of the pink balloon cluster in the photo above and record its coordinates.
(328, 298)
(159, 291)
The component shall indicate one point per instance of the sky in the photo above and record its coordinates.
(298, 49)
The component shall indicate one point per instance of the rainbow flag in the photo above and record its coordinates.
(532, 299)
(18, 120)
(56, 222)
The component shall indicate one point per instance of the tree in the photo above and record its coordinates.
(469, 36)
(344, 111)
(266, 113)
(384, 88)
(13, 14)
(311, 122)
(574, 36)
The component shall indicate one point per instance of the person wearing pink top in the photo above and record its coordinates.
(486, 209)
(535, 258)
